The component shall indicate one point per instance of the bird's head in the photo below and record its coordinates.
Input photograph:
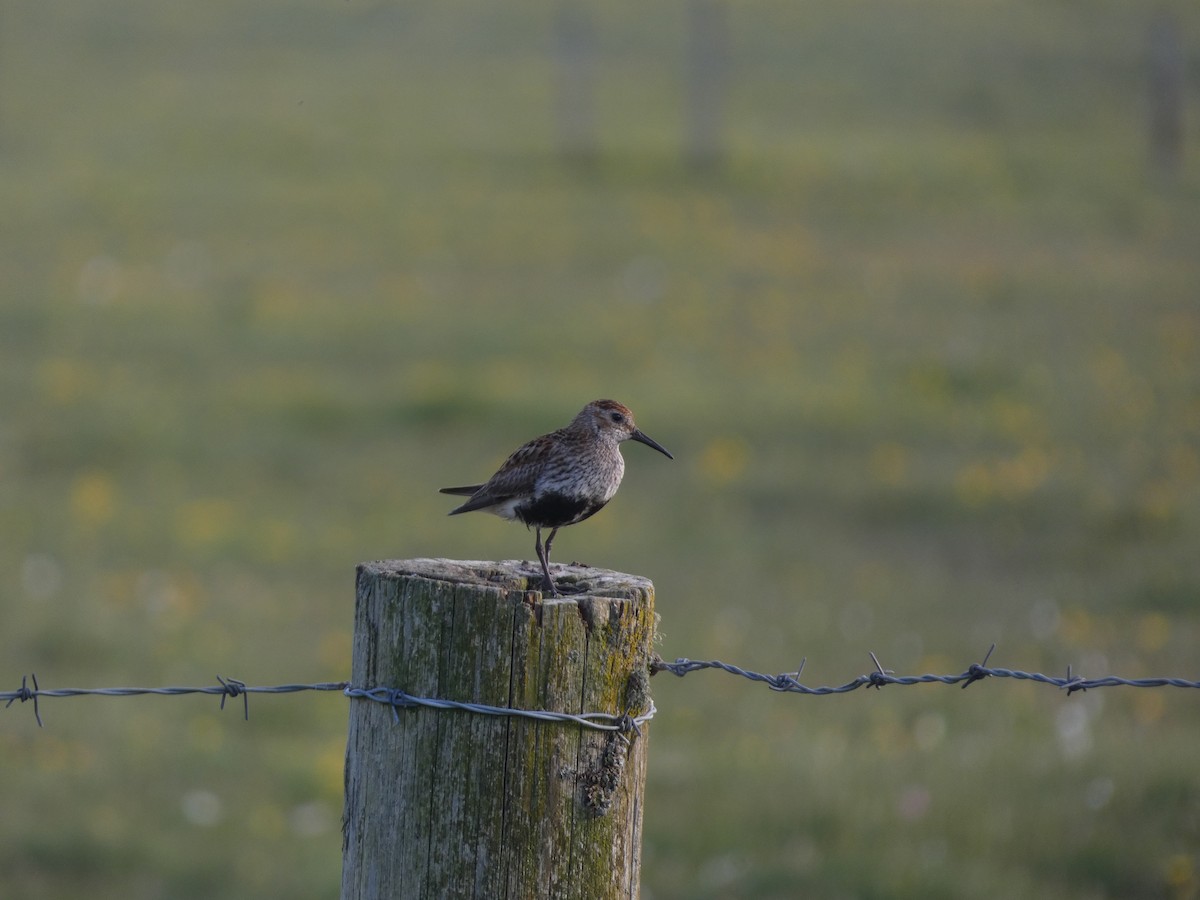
(613, 420)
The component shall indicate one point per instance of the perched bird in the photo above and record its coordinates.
(560, 478)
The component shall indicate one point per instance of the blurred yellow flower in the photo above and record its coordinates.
(1183, 462)
(1156, 500)
(334, 651)
(1016, 419)
(93, 499)
(1181, 875)
(274, 540)
(724, 460)
(973, 484)
(276, 301)
(204, 522)
(1025, 472)
(53, 755)
(266, 821)
(981, 482)
(1153, 632)
(1076, 627)
(61, 381)
(1149, 707)
(330, 768)
(889, 464)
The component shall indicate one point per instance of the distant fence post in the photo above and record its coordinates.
(708, 57)
(575, 82)
(450, 803)
(1167, 64)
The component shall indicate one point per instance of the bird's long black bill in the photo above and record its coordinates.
(650, 442)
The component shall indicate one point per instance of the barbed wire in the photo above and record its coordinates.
(395, 697)
(227, 688)
(786, 682)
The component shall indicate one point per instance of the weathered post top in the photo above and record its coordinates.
(449, 802)
(574, 581)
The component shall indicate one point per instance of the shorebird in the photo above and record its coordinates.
(560, 478)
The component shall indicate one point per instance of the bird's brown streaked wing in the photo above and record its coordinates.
(517, 477)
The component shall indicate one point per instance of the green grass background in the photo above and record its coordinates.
(925, 350)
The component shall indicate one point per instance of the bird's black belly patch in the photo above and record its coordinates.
(555, 510)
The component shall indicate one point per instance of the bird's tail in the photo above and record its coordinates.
(465, 491)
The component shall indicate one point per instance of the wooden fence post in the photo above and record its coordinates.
(450, 803)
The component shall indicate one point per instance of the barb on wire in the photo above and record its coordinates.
(233, 688)
(790, 683)
(978, 671)
(24, 694)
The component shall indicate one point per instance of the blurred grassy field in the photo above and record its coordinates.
(925, 351)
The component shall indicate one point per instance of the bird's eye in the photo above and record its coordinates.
(617, 417)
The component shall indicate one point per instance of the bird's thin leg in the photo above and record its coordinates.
(544, 559)
(553, 532)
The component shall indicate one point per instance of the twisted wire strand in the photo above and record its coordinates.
(597, 721)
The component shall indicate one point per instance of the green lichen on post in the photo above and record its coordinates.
(612, 823)
(447, 803)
